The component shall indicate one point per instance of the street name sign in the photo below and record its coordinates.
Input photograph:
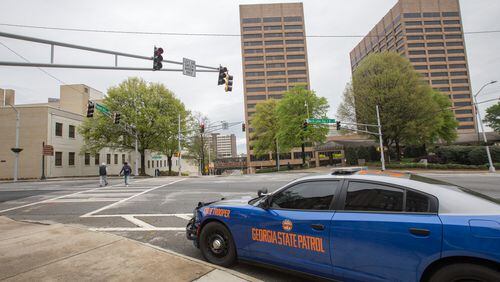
(102, 109)
(320, 120)
(188, 67)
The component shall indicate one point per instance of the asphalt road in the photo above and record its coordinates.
(157, 210)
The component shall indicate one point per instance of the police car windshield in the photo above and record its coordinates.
(451, 186)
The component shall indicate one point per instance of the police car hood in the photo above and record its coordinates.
(241, 201)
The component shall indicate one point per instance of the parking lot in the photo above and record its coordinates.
(156, 210)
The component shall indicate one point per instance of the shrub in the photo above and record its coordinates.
(478, 156)
(414, 151)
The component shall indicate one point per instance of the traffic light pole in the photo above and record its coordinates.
(379, 134)
(199, 68)
(382, 159)
(179, 149)
(136, 165)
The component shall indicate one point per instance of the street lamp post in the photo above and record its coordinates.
(480, 122)
(16, 150)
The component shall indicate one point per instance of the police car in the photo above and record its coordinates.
(358, 227)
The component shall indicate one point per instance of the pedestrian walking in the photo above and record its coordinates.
(103, 175)
(126, 170)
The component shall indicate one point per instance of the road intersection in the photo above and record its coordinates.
(156, 210)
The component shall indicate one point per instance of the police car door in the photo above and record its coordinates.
(384, 232)
(294, 230)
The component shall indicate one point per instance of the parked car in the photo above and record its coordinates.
(357, 227)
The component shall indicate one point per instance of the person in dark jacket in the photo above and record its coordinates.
(126, 170)
(103, 175)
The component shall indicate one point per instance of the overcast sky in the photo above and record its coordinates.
(328, 57)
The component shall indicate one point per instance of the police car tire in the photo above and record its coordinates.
(217, 228)
(466, 271)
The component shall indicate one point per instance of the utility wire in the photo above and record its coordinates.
(28, 61)
(200, 34)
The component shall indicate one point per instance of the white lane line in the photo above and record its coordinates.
(104, 195)
(56, 198)
(90, 200)
(181, 215)
(107, 229)
(90, 214)
(138, 222)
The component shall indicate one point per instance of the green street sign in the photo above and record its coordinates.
(320, 120)
(102, 109)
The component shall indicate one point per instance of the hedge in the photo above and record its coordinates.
(467, 155)
(438, 166)
(352, 154)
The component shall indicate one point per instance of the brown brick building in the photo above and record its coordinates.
(430, 34)
(274, 51)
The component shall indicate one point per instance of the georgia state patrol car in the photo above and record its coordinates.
(358, 227)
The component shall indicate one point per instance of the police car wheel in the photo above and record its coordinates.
(216, 244)
(465, 272)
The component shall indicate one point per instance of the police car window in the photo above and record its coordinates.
(317, 195)
(373, 197)
(416, 202)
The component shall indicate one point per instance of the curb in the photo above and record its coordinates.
(230, 271)
(82, 227)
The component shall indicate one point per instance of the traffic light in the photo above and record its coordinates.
(304, 125)
(229, 83)
(243, 127)
(222, 75)
(116, 118)
(90, 109)
(157, 58)
(202, 128)
(338, 125)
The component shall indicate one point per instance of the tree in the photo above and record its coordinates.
(265, 129)
(492, 117)
(151, 109)
(196, 142)
(346, 112)
(297, 105)
(410, 110)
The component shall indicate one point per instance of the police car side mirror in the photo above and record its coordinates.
(262, 192)
(266, 204)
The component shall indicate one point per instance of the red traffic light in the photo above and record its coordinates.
(159, 51)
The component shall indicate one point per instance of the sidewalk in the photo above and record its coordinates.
(38, 252)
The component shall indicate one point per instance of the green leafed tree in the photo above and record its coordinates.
(151, 108)
(197, 145)
(411, 112)
(492, 117)
(265, 128)
(297, 105)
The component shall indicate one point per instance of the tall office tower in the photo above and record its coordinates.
(430, 34)
(274, 51)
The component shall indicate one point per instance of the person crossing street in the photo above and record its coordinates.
(126, 170)
(103, 175)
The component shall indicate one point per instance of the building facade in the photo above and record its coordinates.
(274, 53)
(430, 34)
(55, 123)
(223, 146)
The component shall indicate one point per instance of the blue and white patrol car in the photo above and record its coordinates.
(358, 227)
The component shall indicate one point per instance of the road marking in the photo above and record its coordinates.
(56, 198)
(180, 215)
(138, 222)
(107, 229)
(90, 214)
(89, 200)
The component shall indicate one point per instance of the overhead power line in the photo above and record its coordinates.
(200, 33)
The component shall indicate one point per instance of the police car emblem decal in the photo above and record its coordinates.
(287, 225)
